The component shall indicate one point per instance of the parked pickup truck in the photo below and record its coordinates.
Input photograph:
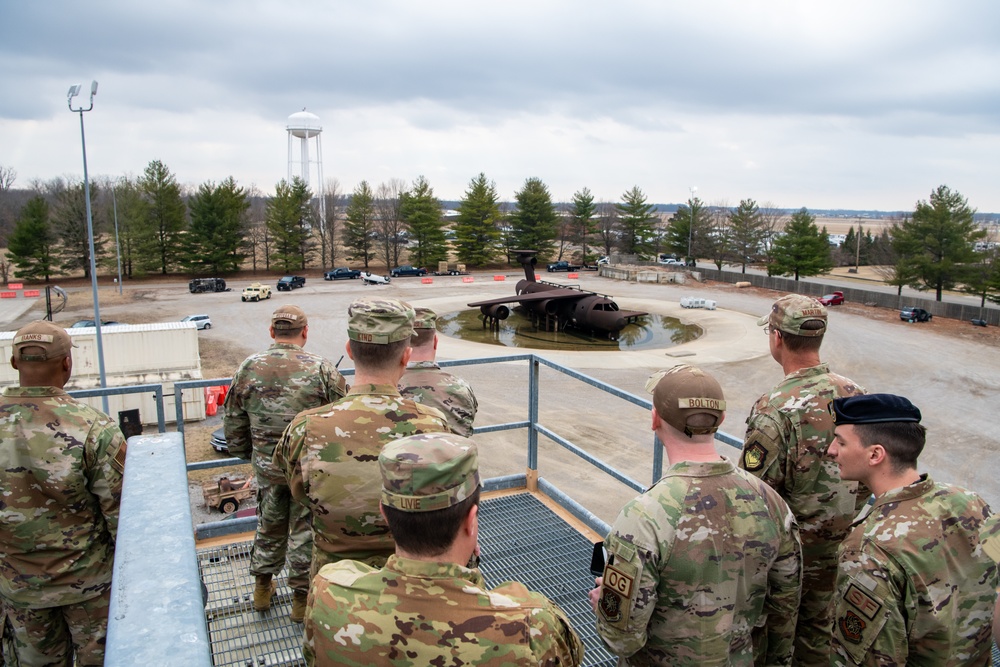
(407, 270)
(562, 266)
(342, 273)
(288, 283)
(256, 292)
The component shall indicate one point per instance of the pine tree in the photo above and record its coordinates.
(635, 220)
(803, 250)
(215, 238)
(938, 240)
(30, 244)
(288, 223)
(477, 236)
(533, 222)
(360, 225)
(746, 234)
(687, 232)
(69, 224)
(421, 212)
(584, 222)
(165, 218)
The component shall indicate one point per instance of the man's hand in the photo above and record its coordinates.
(595, 594)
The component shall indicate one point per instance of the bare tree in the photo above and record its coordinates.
(328, 229)
(607, 225)
(390, 229)
(7, 178)
(258, 238)
(773, 223)
(566, 229)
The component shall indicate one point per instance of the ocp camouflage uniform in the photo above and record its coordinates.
(703, 569)
(914, 586)
(413, 612)
(268, 390)
(62, 464)
(425, 383)
(788, 432)
(330, 458)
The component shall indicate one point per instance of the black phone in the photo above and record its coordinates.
(597, 560)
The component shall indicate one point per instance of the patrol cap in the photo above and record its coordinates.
(429, 471)
(288, 318)
(791, 311)
(379, 321)
(874, 409)
(425, 318)
(683, 391)
(48, 340)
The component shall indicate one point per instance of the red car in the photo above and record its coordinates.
(831, 299)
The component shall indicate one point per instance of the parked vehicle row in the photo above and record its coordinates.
(288, 283)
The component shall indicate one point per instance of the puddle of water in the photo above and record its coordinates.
(648, 332)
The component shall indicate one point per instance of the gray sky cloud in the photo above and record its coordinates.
(850, 104)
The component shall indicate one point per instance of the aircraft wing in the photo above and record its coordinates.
(535, 296)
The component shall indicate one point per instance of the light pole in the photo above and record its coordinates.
(693, 189)
(73, 92)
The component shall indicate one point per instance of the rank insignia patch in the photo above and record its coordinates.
(754, 456)
(851, 625)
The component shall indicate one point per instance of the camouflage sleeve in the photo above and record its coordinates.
(784, 592)
(631, 578)
(871, 609)
(555, 642)
(106, 469)
(765, 449)
(235, 419)
(334, 384)
(287, 458)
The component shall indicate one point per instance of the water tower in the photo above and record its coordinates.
(304, 126)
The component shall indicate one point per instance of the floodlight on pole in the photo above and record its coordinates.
(74, 90)
(693, 189)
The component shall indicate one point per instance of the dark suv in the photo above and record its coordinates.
(407, 270)
(288, 283)
(912, 314)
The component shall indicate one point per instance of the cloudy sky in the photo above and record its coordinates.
(848, 104)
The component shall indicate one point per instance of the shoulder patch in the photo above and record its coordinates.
(852, 627)
(863, 602)
(118, 461)
(754, 457)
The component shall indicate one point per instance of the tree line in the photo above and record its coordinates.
(222, 227)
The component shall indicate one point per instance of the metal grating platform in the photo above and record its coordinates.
(520, 539)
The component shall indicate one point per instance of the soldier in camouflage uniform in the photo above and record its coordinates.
(989, 537)
(330, 454)
(268, 390)
(704, 567)
(914, 585)
(61, 467)
(788, 431)
(425, 606)
(427, 384)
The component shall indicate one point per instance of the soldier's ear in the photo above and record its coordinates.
(347, 346)
(13, 362)
(876, 454)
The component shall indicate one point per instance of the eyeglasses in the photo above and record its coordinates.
(768, 329)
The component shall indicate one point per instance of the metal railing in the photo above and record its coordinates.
(156, 609)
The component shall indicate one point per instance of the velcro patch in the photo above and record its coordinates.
(754, 457)
(863, 602)
(615, 603)
(852, 626)
(118, 462)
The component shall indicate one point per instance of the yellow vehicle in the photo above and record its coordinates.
(227, 494)
(256, 292)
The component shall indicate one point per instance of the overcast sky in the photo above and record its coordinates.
(846, 104)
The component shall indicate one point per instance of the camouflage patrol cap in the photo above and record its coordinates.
(873, 409)
(288, 318)
(684, 391)
(429, 471)
(425, 318)
(791, 311)
(379, 321)
(48, 340)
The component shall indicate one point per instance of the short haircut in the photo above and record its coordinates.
(796, 343)
(422, 337)
(287, 333)
(902, 440)
(429, 533)
(376, 356)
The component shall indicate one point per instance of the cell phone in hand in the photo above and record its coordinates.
(597, 560)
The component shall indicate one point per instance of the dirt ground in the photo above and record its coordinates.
(950, 369)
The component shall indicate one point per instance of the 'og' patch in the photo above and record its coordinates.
(754, 457)
(616, 595)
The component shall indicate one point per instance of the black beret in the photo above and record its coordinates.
(874, 409)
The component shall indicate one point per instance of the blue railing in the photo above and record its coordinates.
(157, 607)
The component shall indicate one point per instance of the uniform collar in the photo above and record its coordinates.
(421, 364)
(33, 391)
(374, 389)
(702, 468)
(433, 570)
(809, 371)
(919, 488)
